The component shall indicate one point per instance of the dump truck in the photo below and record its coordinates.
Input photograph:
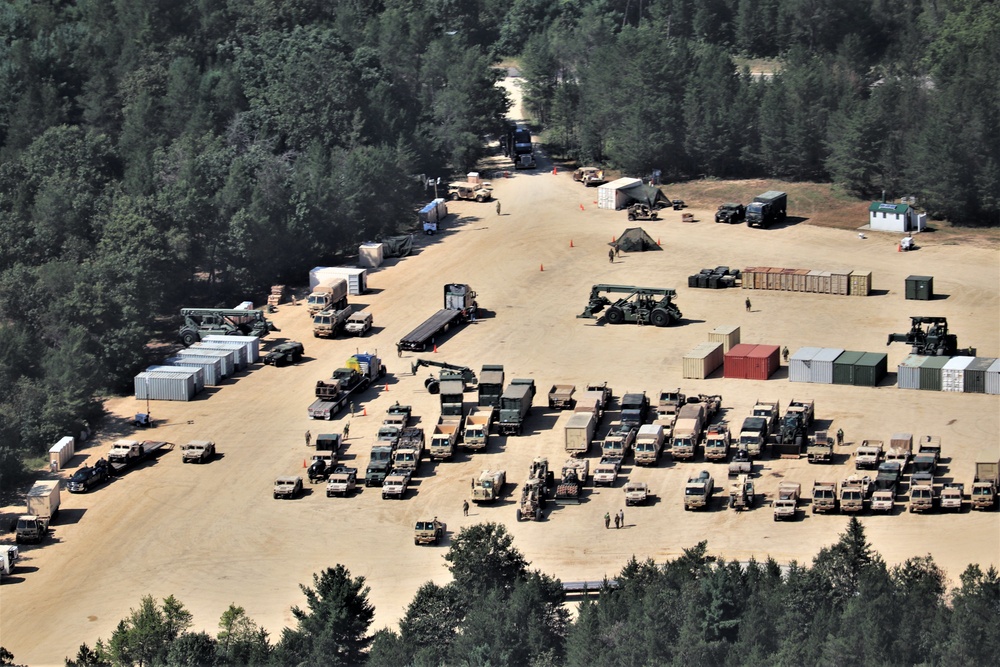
(636, 493)
(820, 449)
(42, 506)
(445, 438)
(379, 465)
(730, 213)
(574, 477)
(698, 490)
(767, 209)
(331, 295)
(887, 483)
(287, 486)
(532, 503)
(984, 485)
(87, 477)
(786, 504)
(515, 406)
(717, 441)
(579, 432)
(460, 306)
(923, 495)
(491, 386)
(470, 191)
(359, 323)
(606, 471)
(648, 444)
(342, 481)
(198, 451)
(900, 449)
(477, 427)
(488, 487)
(741, 464)
(619, 439)
(201, 322)
(429, 532)
(346, 385)
(125, 454)
(824, 497)
(640, 305)
(561, 397)
(741, 493)
(753, 435)
(868, 455)
(327, 323)
(854, 491)
(634, 408)
(687, 431)
(396, 485)
(952, 495)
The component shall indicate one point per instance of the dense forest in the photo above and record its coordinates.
(156, 154)
(846, 608)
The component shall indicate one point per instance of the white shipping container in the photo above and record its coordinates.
(610, 195)
(226, 358)
(800, 364)
(953, 373)
(61, 452)
(357, 279)
(238, 349)
(822, 364)
(160, 386)
(199, 375)
(993, 378)
(211, 367)
(251, 343)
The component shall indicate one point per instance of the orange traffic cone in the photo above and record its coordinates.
(541, 267)
(387, 386)
(581, 207)
(898, 248)
(571, 243)
(658, 241)
(435, 349)
(555, 171)
(304, 464)
(364, 412)
(612, 239)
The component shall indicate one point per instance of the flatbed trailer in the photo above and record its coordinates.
(438, 323)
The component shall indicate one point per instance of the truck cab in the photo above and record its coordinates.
(471, 191)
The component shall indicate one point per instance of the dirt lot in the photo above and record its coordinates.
(212, 534)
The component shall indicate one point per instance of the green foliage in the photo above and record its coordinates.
(240, 640)
(482, 557)
(145, 637)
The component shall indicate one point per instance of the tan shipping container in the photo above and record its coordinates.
(840, 282)
(727, 334)
(702, 361)
(861, 283)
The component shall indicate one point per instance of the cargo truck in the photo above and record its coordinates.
(687, 431)
(785, 506)
(379, 464)
(854, 491)
(923, 495)
(331, 295)
(477, 427)
(648, 444)
(42, 507)
(445, 438)
(125, 454)
(820, 449)
(900, 450)
(579, 432)
(634, 408)
(410, 450)
(698, 490)
(868, 455)
(753, 435)
(491, 379)
(717, 441)
(515, 405)
(767, 209)
(488, 487)
(984, 485)
(326, 323)
(346, 385)
(396, 485)
(459, 307)
(952, 495)
(886, 486)
(925, 462)
(824, 497)
(619, 439)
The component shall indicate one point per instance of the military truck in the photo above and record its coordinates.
(648, 444)
(767, 209)
(444, 439)
(604, 394)
(125, 454)
(287, 486)
(753, 435)
(785, 506)
(532, 503)
(539, 469)
(717, 442)
(669, 404)
(589, 176)
(396, 485)
(900, 449)
(687, 431)
(642, 211)
(952, 495)
(868, 455)
(359, 323)
(42, 504)
(820, 449)
(477, 427)
(730, 213)
(984, 485)
(201, 322)
(379, 465)
(792, 433)
(741, 464)
(488, 487)
(87, 477)
(634, 408)
(429, 532)
(698, 490)
(491, 386)
(470, 191)
(854, 491)
(515, 406)
(198, 451)
(618, 441)
(320, 467)
(925, 463)
(824, 497)
(331, 295)
(636, 493)
(460, 306)
(639, 305)
(8, 558)
(289, 352)
(410, 450)
(342, 482)
(606, 471)
(398, 415)
(561, 397)
(887, 483)
(579, 432)
(770, 411)
(741, 493)
(923, 495)
(346, 385)
(574, 477)
(326, 323)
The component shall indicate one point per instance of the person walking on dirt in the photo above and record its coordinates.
(352, 408)
(607, 520)
(611, 255)
(347, 430)
(498, 207)
(840, 437)
(618, 523)
(748, 304)
(621, 516)
(784, 353)
(465, 507)
(618, 250)
(309, 437)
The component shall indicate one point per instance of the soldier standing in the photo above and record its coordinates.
(465, 507)
(347, 430)
(611, 255)
(784, 353)
(621, 517)
(607, 520)
(618, 523)
(840, 437)
(748, 304)
(498, 207)
(308, 438)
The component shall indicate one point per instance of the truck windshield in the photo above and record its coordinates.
(487, 485)
(693, 491)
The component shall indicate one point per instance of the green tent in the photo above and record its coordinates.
(635, 239)
(646, 194)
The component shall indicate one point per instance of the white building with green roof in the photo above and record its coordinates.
(888, 217)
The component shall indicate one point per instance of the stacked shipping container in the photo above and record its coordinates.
(803, 280)
(751, 362)
(833, 365)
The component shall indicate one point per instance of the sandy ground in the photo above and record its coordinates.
(212, 535)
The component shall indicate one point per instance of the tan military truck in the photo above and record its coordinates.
(868, 455)
(952, 495)
(488, 487)
(922, 496)
(395, 485)
(648, 444)
(854, 491)
(331, 295)
(636, 493)
(287, 486)
(342, 482)
(198, 451)
(687, 431)
(606, 471)
(984, 485)
(326, 323)
(471, 191)
(561, 397)
(359, 323)
(900, 449)
(787, 502)
(698, 490)
(824, 497)
(477, 427)
(429, 532)
(579, 431)
(717, 441)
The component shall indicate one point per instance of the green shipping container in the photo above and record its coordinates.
(870, 369)
(930, 373)
(843, 367)
(920, 288)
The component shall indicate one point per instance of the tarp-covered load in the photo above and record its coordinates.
(635, 239)
(646, 194)
(398, 246)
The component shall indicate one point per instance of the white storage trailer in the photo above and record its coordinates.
(194, 371)
(226, 358)
(161, 386)
(61, 452)
(43, 499)
(611, 196)
(210, 367)
(250, 343)
(238, 349)
(371, 255)
(357, 279)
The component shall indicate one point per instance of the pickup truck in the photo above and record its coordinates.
(88, 477)
(288, 486)
(787, 501)
(429, 532)
(396, 484)
(636, 493)
(951, 496)
(561, 397)
(606, 471)
(342, 481)
(868, 455)
(198, 451)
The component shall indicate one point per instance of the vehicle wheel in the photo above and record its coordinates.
(189, 337)
(518, 513)
(631, 217)
(480, 199)
(538, 514)
(432, 386)
(660, 318)
(416, 541)
(276, 496)
(454, 196)
(615, 315)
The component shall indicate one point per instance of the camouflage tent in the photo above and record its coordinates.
(635, 239)
(647, 194)
(398, 246)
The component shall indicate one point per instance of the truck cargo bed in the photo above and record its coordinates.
(437, 323)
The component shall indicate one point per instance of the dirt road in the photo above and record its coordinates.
(212, 535)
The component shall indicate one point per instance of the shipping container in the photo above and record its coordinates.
(61, 452)
(920, 288)
(238, 349)
(763, 361)
(975, 375)
(211, 367)
(160, 386)
(993, 378)
(843, 367)
(953, 373)
(812, 281)
(727, 334)
(908, 372)
(251, 343)
(735, 362)
(195, 371)
(702, 361)
(371, 255)
(870, 369)
(800, 366)
(799, 280)
(861, 283)
(822, 364)
(825, 282)
(840, 282)
(357, 279)
(226, 358)
(612, 196)
(930, 373)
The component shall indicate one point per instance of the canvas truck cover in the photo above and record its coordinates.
(398, 246)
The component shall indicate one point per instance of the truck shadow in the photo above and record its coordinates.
(68, 517)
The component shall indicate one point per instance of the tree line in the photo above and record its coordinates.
(846, 607)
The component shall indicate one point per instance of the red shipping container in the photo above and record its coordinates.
(761, 362)
(734, 365)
